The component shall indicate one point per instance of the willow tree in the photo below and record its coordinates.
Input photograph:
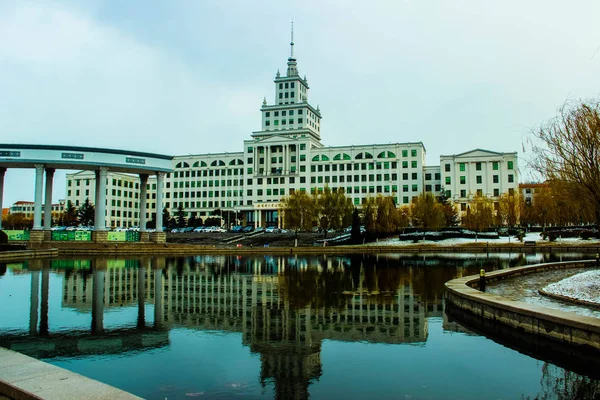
(299, 211)
(427, 212)
(334, 209)
(567, 150)
(480, 215)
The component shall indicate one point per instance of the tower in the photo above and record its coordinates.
(290, 114)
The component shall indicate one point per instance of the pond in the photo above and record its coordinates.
(280, 327)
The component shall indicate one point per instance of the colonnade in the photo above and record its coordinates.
(286, 154)
(43, 204)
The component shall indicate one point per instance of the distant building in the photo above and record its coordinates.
(529, 189)
(27, 208)
(478, 172)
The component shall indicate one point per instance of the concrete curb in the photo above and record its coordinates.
(553, 324)
(27, 254)
(569, 299)
(23, 377)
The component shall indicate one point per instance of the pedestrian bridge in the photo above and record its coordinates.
(46, 159)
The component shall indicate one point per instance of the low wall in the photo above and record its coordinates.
(553, 324)
(27, 254)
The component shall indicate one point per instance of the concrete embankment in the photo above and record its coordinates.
(549, 323)
(25, 378)
(136, 248)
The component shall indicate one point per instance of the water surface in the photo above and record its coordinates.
(354, 327)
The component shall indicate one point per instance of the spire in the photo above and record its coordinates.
(292, 43)
(292, 70)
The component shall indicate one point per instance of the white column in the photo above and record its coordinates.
(100, 216)
(48, 199)
(37, 209)
(96, 194)
(160, 177)
(143, 192)
(267, 160)
(2, 172)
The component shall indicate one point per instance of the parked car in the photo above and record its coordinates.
(272, 229)
(248, 228)
(237, 229)
(259, 229)
(199, 229)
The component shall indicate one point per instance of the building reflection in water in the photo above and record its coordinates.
(284, 307)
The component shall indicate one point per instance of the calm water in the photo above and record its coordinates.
(271, 327)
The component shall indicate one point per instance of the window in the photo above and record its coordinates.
(437, 176)
(495, 178)
(511, 178)
(496, 192)
(478, 166)
(404, 164)
(495, 165)
(404, 153)
(448, 180)
(413, 164)
(414, 175)
(447, 167)
(463, 180)
(463, 193)
(413, 153)
(461, 166)
(509, 165)
(478, 179)
(302, 145)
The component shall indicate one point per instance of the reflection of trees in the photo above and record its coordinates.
(558, 383)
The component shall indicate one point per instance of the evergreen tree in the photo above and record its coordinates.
(180, 216)
(355, 233)
(86, 213)
(69, 215)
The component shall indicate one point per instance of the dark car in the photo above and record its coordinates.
(237, 229)
(248, 228)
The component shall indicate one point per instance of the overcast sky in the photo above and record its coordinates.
(180, 77)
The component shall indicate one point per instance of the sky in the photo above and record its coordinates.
(188, 77)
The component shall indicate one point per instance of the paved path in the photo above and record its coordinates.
(23, 377)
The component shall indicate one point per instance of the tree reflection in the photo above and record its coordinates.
(558, 383)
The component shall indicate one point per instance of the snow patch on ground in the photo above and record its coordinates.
(584, 286)
(530, 236)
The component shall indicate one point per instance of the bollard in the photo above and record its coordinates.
(482, 280)
(597, 259)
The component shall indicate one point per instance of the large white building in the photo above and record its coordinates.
(122, 196)
(287, 155)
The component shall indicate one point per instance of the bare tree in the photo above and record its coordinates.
(567, 149)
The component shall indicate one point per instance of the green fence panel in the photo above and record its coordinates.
(83, 236)
(132, 236)
(71, 264)
(17, 234)
(116, 236)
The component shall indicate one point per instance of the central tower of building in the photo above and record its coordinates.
(290, 114)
